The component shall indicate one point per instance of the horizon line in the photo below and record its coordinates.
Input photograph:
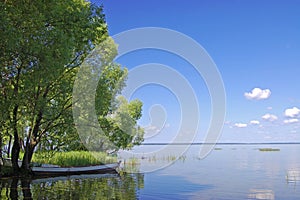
(223, 143)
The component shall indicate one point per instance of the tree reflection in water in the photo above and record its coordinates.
(123, 186)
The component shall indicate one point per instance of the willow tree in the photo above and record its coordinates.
(42, 45)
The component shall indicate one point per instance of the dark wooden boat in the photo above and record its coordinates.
(58, 171)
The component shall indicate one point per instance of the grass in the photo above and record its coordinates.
(268, 149)
(218, 148)
(171, 158)
(73, 158)
(152, 159)
(133, 161)
(182, 158)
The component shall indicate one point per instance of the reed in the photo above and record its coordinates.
(73, 158)
(133, 161)
(268, 149)
(218, 148)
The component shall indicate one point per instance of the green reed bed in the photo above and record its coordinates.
(167, 158)
(268, 149)
(133, 161)
(218, 149)
(73, 158)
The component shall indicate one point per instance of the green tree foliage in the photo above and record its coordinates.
(42, 45)
(116, 123)
(125, 132)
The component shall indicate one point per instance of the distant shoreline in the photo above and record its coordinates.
(223, 143)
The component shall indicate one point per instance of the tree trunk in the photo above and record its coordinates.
(15, 152)
(16, 145)
(25, 162)
(29, 149)
(15, 155)
(31, 143)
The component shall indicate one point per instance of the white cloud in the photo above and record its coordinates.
(254, 122)
(240, 125)
(258, 94)
(269, 117)
(289, 121)
(292, 112)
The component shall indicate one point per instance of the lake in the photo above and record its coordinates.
(268, 171)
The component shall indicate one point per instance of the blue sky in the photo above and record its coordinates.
(255, 44)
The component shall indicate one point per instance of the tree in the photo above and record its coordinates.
(123, 122)
(115, 123)
(42, 45)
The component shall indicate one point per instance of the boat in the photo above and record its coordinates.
(48, 171)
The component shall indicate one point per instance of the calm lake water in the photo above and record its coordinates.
(228, 172)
